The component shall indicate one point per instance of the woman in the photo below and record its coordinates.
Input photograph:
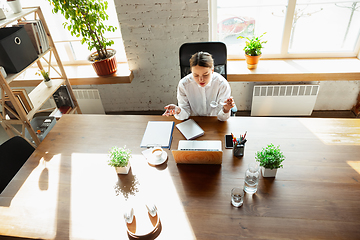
(203, 92)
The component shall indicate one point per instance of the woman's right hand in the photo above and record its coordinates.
(171, 109)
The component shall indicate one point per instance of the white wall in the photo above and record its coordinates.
(153, 31)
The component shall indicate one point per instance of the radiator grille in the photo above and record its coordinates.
(284, 100)
(89, 101)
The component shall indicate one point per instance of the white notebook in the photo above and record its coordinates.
(190, 129)
(158, 133)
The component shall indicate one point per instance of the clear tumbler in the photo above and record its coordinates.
(252, 175)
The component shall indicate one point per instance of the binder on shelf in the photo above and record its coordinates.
(33, 35)
(62, 97)
(158, 133)
(23, 100)
(36, 32)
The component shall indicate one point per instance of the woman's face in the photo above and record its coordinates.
(202, 75)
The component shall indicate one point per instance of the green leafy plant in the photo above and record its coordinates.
(119, 157)
(44, 74)
(253, 45)
(270, 157)
(85, 18)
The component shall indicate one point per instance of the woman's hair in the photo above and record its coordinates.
(202, 59)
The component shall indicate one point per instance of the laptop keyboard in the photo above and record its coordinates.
(199, 150)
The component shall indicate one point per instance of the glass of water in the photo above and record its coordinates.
(237, 197)
(252, 175)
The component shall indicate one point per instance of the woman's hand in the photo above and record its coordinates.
(229, 104)
(171, 109)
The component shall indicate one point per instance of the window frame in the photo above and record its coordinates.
(284, 54)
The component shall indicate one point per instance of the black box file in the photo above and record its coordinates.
(16, 49)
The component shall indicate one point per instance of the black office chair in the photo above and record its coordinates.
(216, 49)
(13, 154)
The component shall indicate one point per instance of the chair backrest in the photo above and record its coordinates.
(13, 154)
(216, 49)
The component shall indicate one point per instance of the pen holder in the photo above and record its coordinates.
(238, 150)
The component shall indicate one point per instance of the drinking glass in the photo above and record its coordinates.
(252, 175)
(237, 197)
(214, 103)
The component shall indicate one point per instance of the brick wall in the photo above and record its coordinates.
(152, 32)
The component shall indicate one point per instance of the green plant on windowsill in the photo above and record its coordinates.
(119, 157)
(252, 50)
(253, 45)
(270, 157)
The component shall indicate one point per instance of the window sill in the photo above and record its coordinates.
(83, 75)
(295, 70)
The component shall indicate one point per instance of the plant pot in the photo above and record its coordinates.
(15, 6)
(123, 170)
(267, 172)
(252, 61)
(106, 66)
(48, 83)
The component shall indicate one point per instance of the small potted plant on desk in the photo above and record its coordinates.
(270, 159)
(86, 19)
(119, 158)
(46, 77)
(253, 50)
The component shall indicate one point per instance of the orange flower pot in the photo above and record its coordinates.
(106, 66)
(252, 61)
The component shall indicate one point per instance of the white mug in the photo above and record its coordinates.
(157, 153)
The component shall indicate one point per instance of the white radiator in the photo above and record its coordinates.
(284, 100)
(89, 101)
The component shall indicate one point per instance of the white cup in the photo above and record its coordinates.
(157, 153)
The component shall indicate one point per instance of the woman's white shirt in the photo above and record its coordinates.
(194, 100)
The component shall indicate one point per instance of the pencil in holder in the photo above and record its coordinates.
(238, 150)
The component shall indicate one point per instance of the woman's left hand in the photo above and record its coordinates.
(229, 104)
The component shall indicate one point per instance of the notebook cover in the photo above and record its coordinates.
(190, 129)
(158, 133)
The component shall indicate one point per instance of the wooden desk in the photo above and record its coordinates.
(66, 190)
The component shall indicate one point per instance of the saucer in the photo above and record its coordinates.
(151, 159)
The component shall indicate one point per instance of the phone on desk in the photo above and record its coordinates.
(229, 141)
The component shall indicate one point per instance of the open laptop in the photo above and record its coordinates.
(198, 152)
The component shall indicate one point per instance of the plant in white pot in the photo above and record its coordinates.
(86, 18)
(46, 77)
(119, 158)
(270, 159)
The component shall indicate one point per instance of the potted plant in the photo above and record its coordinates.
(85, 18)
(270, 159)
(119, 158)
(253, 50)
(46, 77)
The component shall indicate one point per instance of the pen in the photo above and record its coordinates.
(245, 134)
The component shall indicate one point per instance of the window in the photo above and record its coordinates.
(294, 28)
(71, 51)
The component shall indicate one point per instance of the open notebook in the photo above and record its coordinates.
(198, 152)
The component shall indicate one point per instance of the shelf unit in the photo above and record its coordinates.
(41, 93)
